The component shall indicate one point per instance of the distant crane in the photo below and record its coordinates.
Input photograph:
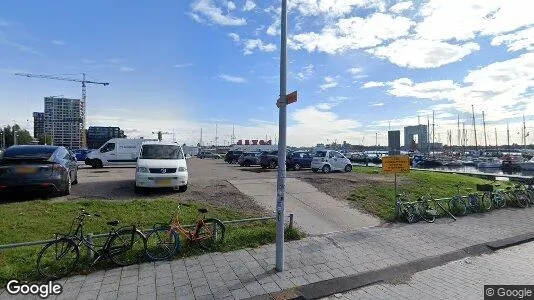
(84, 89)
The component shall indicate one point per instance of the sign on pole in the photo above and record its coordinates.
(396, 164)
(290, 98)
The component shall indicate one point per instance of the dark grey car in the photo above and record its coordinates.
(38, 168)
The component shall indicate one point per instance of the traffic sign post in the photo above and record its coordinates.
(396, 164)
(290, 98)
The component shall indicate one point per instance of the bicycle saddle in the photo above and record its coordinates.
(113, 223)
(202, 210)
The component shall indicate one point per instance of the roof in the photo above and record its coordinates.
(160, 143)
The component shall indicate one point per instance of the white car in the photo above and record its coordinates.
(330, 160)
(161, 165)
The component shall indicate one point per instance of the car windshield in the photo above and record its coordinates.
(320, 154)
(29, 152)
(161, 152)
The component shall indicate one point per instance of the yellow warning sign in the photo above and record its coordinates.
(396, 164)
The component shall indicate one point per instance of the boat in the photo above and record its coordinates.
(425, 162)
(453, 163)
(489, 163)
(527, 165)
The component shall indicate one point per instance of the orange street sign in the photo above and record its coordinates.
(290, 98)
(396, 164)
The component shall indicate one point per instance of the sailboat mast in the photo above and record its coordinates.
(474, 126)
(433, 132)
(508, 134)
(427, 133)
(484, 126)
(524, 133)
(459, 143)
(496, 141)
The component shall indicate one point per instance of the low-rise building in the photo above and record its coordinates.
(99, 135)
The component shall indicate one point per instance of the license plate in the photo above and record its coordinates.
(25, 170)
(163, 182)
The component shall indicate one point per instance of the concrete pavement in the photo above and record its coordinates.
(315, 211)
(308, 262)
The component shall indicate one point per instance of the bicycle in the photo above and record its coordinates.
(400, 206)
(457, 204)
(426, 213)
(164, 240)
(123, 246)
(495, 197)
(519, 194)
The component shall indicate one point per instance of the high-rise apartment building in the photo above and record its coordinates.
(64, 121)
(99, 135)
(38, 124)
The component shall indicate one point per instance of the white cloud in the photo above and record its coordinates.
(214, 13)
(333, 8)
(353, 33)
(463, 20)
(274, 28)
(196, 17)
(423, 54)
(519, 40)
(184, 65)
(127, 69)
(330, 82)
(355, 71)
(324, 106)
(431, 90)
(234, 79)
(250, 45)
(376, 104)
(234, 37)
(372, 84)
(249, 5)
(231, 6)
(306, 72)
(58, 42)
(401, 6)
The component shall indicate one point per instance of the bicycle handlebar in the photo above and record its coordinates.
(86, 214)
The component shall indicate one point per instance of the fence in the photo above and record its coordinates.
(90, 236)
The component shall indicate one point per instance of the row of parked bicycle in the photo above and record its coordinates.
(486, 197)
(127, 245)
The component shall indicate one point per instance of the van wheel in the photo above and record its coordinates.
(272, 164)
(326, 169)
(348, 168)
(66, 191)
(137, 190)
(75, 179)
(182, 188)
(96, 163)
(296, 167)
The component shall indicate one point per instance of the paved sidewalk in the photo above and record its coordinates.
(246, 273)
(462, 279)
(315, 211)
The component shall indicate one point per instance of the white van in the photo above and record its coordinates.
(115, 152)
(330, 160)
(161, 165)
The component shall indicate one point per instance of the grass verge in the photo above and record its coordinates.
(378, 198)
(39, 220)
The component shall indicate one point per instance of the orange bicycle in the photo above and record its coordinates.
(164, 239)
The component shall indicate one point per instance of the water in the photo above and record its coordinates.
(471, 169)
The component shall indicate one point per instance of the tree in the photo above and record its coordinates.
(45, 139)
(23, 136)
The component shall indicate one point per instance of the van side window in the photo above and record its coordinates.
(108, 147)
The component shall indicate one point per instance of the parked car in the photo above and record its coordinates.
(161, 165)
(116, 152)
(81, 154)
(38, 168)
(232, 156)
(269, 159)
(298, 160)
(330, 160)
(208, 154)
(248, 159)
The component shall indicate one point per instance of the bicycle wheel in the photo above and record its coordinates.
(457, 206)
(211, 234)
(412, 214)
(162, 243)
(126, 247)
(58, 258)
(498, 200)
(484, 203)
(427, 213)
(521, 198)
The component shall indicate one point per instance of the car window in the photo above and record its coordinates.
(161, 152)
(108, 147)
(29, 152)
(320, 154)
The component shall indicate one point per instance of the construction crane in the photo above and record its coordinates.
(83, 81)
(161, 133)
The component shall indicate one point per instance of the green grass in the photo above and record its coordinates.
(379, 198)
(39, 220)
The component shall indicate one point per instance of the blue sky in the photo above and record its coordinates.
(358, 65)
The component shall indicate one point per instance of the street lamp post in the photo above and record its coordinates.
(281, 185)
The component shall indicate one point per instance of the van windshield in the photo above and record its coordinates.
(161, 152)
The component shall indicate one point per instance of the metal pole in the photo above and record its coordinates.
(484, 126)
(280, 193)
(474, 127)
(395, 185)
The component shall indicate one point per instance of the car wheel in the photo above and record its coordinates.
(234, 161)
(326, 169)
(315, 170)
(182, 188)
(75, 178)
(137, 189)
(348, 168)
(96, 163)
(247, 164)
(272, 164)
(66, 192)
(263, 166)
(296, 167)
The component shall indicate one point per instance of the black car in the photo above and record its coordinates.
(38, 168)
(269, 159)
(232, 156)
(298, 160)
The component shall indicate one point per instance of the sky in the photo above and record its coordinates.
(361, 67)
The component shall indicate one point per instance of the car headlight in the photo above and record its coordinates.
(182, 169)
(142, 170)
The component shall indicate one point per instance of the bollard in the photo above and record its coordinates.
(291, 220)
(89, 247)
